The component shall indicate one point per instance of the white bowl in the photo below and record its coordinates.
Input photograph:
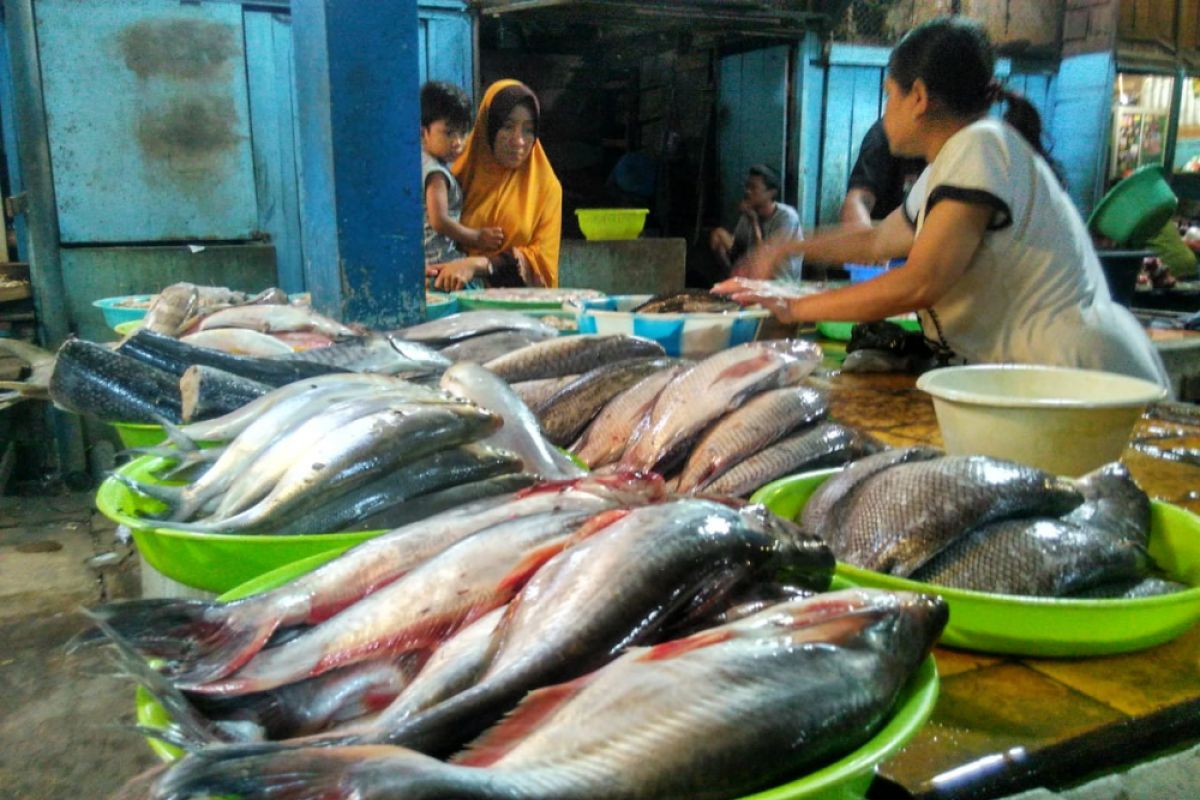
(1063, 420)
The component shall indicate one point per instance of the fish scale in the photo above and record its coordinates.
(606, 437)
(902, 517)
(570, 354)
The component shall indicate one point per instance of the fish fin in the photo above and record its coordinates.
(175, 434)
(536, 709)
(201, 641)
(189, 728)
(275, 772)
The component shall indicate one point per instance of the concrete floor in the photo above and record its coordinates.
(64, 720)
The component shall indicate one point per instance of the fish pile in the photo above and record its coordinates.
(266, 324)
(645, 642)
(688, 301)
(979, 523)
(478, 336)
(347, 451)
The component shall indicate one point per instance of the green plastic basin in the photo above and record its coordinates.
(1042, 626)
(846, 779)
(214, 562)
(139, 434)
(1136, 208)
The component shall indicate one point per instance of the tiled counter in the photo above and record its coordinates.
(1004, 724)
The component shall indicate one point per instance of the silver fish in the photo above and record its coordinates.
(567, 355)
(942, 500)
(482, 349)
(615, 426)
(568, 411)
(534, 393)
(467, 324)
(749, 429)
(377, 353)
(239, 341)
(271, 318)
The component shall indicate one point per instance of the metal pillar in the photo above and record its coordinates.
(361, 207)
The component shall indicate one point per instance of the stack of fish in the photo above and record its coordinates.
(974, 522)
(564, 601)
(341, 451)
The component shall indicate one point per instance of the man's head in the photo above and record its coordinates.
(445, 120)
(762, 187)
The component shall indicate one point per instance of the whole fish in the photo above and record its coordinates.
(482, 349)
(430, 503)
(603, 594)
(565, 414)
(205, 640)
(1113, 502)
(92, 380)
(819, 514)
(534, 393)
(176, 357)
(417, 611)
(377, 353)
(716, 715)
(520, 432)
(239, 342)
(813, 448)
(942, 500)
(1037, 556)
(177, 306)
(455, 327)
(714, 386)
(747, 430)
(615, 426)
(207, 392)
(440, 470)
(274, 317)
(567, 355)
(687, 301)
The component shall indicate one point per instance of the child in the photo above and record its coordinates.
(445, 122)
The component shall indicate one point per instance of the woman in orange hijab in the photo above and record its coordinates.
(509, 184)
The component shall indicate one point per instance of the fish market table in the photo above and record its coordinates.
(1005, 724)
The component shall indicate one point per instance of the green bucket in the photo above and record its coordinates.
(1136, 208)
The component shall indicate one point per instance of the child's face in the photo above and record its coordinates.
(442, 141)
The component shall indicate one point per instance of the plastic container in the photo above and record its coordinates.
(599, 224)
(528, 298)
(1043, 626)
(438, 305)
(1136, 208)
(214, 562)
(140, 434)
(687, 335)
(864, 272)
(126, 328)
(1063, 420)
(115, 313)
(847, 778)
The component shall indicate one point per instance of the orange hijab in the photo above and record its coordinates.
(526, 202)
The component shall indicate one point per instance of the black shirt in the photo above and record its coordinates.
(887, 177)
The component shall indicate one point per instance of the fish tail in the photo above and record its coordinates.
(171, 495)
(175, 434)
(267, 772)
(201, 641)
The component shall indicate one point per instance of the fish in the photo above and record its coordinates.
(604, 440)
(819, 514)
(534, 393)
(274, 317)
(206, 640)
(207, 392)
(172, 308)
(437, 471)
(435, 502)
(604, 593)
(238, 341)
(175, 357)
(94, 381)
(714, 386)
(481, 349)
(567, 355)
(1114, 502)
(1039, 557)
(301, 341)
(565, 414)
(467, 324)
(943, 499)
(822, 446)
(418, 610)
(748, 429)
(377, 353)
(685, 302)
(1132, 589)
(520, 432)
(714, 715)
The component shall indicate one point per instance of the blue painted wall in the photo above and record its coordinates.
(446, 38)
(1080, 123)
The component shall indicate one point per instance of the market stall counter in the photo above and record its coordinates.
(1006, 724)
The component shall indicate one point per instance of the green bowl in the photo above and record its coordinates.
(126, 328)
(840, 331)
(214, 562)
(115, 313)
(1043, 626)
(845, 779)
(140, 434)
(438, 305)
(1136, 208)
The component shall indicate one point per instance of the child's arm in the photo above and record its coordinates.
(437, 210)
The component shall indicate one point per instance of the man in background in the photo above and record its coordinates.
(762, 217)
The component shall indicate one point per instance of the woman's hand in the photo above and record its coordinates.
(454, 275)
(750, 291)
(489, 239)
(762, 262)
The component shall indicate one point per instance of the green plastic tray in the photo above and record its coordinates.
(1041, 626)
(214, 562)
(845, 779)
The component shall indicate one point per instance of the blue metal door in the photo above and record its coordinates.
(148, 120)
(446, 43)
